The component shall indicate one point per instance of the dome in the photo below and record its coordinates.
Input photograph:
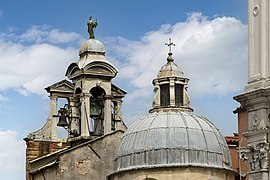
(170, 69)
(90, 51)
(93, 46)
(172, 139)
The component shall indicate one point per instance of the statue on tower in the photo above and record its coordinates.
(91, 26)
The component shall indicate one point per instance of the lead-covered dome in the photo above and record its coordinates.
(90, 51)
(172, 139)
(92, 46)
(170, 69)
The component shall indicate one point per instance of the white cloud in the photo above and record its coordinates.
(44, 33)
(212, 53)
(12, 154)
(30, 68)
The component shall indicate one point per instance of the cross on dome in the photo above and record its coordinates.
(170, 44)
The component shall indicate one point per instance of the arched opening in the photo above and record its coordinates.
(179, 95)
(164, 95)
(78, 91)
(97, 104)
(61, 131)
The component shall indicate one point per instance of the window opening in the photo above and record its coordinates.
(178, 95)
(97, 104)
(164, 95)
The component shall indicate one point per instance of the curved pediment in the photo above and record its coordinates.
(103, 68)
(73, 70)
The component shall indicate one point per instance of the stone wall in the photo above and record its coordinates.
(89, 160)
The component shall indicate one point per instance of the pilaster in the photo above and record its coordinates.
(85, 115)
(258, 29)
(107, 115)
(53, 111)
(172, 92)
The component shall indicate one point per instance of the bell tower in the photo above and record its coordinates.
(91, 114)
(93, 102)
(98, 100)
(256, 97)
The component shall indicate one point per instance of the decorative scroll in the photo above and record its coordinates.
(257, 156)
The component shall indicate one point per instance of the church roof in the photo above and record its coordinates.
(171, 135)
(171, 139)
(170, 69)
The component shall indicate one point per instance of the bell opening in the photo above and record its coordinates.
(62, 122)
(97, 104)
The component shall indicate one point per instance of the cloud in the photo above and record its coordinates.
(12, 154)
(211, 52)
(31, 68)
(45, 33)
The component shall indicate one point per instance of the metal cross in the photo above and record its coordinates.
(170, 44)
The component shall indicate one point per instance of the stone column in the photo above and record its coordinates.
(259, 39)
(74, 129)
(118, 112)
(186, 98)
(107, 115)
(156, 101)
(53, 111)
(85, 115)
(172, 92)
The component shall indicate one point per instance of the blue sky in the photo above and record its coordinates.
(38, 40)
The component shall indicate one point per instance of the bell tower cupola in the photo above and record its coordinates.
(98, 100)
(170, 86)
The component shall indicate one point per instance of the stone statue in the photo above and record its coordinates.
(91, 26)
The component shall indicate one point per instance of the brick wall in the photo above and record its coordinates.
(36, 149)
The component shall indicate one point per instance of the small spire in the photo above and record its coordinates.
(91, 26)
(170, 44)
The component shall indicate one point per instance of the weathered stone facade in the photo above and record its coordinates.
(36, 149)
(90, 160)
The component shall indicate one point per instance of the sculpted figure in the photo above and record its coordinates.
(91, 26)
